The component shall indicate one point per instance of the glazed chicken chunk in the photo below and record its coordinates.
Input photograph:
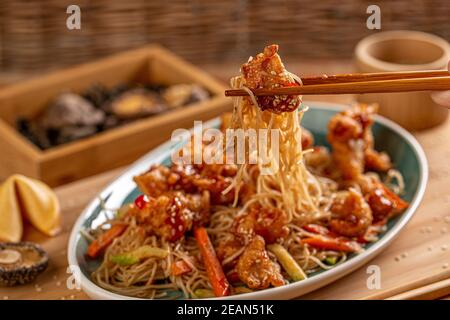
(351, 215)
(214, 178)
(384, 203)
(171, 215)
(255, 268)
(351, 138)
(267, 222)
(267, 71)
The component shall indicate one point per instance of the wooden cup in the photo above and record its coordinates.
(404, 51)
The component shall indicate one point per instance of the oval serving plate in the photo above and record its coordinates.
(405, 152)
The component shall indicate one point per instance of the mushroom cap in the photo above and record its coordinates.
(17, 272)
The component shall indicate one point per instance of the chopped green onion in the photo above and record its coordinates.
(204, 293)
(133, 257)
(124, 259)
(287, 261)
(331, 261)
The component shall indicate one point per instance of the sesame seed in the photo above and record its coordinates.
(444, 230)
(58, 283)
(447, 219)
(444, 247)
(445, 266)
(404, 254)
(5, 297)
(430, 248)
(429, 229)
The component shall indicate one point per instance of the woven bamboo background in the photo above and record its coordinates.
(33, 33)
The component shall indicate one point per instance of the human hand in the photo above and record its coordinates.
(442, 97)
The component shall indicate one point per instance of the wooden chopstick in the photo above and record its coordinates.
(414, 288)
(360, 83)
(358, 77)
(430, 292)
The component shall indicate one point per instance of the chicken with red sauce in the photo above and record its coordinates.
(256, 269)
(351, 138)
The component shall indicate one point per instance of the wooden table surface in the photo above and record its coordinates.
(421, 250)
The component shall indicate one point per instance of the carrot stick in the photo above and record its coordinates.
(219, 282)
(399, 203)
(180, 267)
(103, 241)
(315, 228)
(323, 231)
(332, 244)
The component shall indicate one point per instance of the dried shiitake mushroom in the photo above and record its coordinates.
(21, 263)
(182, 94)
(136, 103)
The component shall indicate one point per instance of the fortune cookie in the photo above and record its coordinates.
(29, 199)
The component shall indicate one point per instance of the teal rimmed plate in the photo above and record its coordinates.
(404, 150)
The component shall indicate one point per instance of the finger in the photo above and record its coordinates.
(442, 98)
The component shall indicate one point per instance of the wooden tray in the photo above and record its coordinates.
(105, 150)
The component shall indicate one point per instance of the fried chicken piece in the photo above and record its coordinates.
(267, 222)
(348, 155)
(384, 203)
(214, 170)
(267, 71)
(352, 141)
(216, 185)
(225, 249)
(319, 158)
(376, 161)
(160, 179)
(214, 178)
(351, 215)
(171, 215)
(200, 205)
(255, 268)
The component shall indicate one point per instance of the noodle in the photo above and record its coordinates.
(141, 280)
(299, 190)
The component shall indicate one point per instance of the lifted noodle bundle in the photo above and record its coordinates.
(290, 187)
